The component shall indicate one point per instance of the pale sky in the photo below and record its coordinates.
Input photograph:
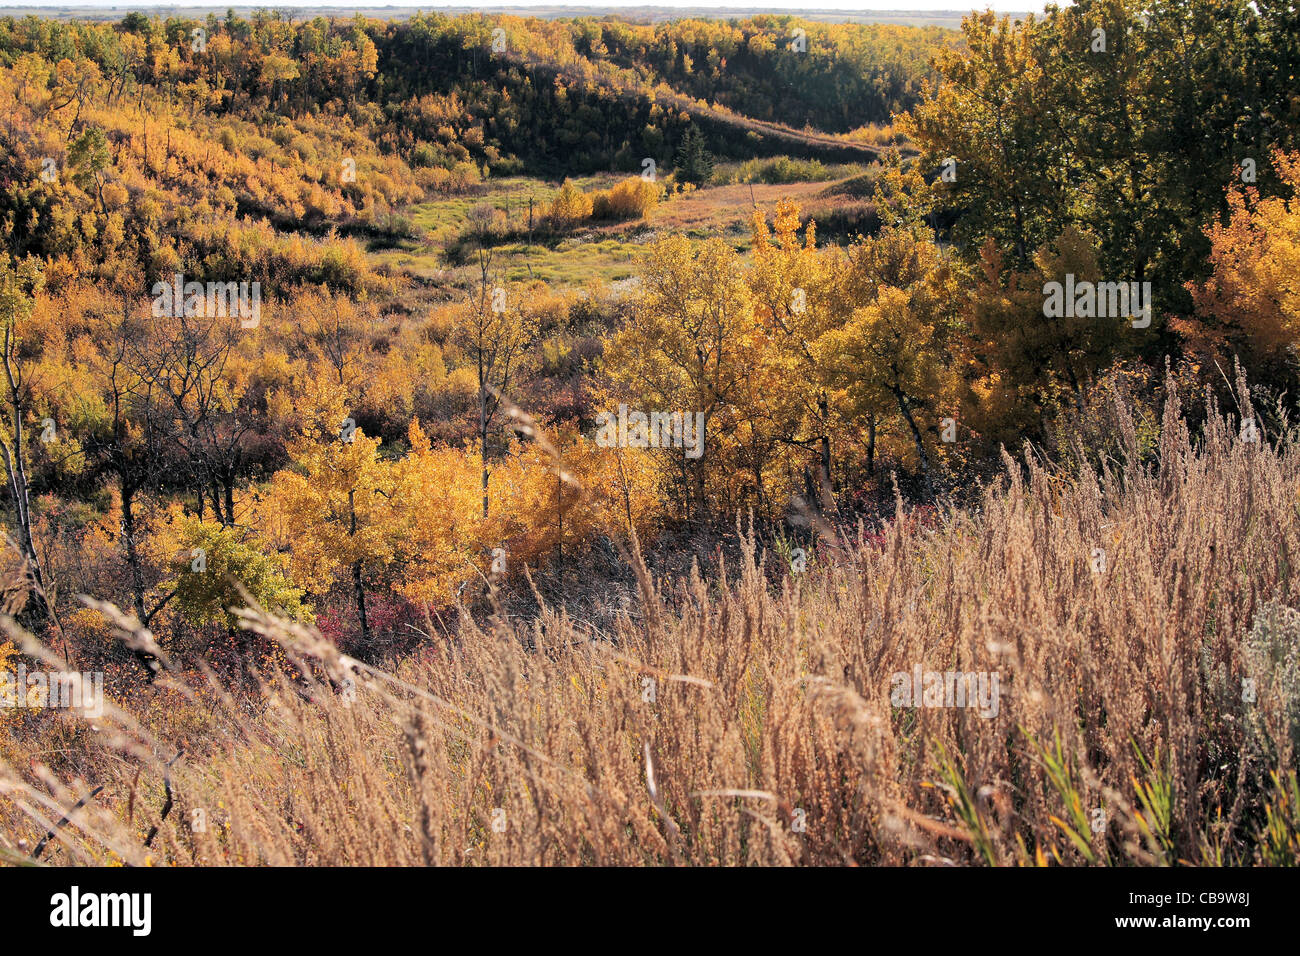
(1004, 6)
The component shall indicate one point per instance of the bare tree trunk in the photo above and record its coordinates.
(916, 437)
(230, 501)
(216, 502)
(132, 552)
(484, 261)
(482, 437)
(627, 495)
(26, 544)
(15, 464)
(147, 660)
(358, 583)
(701, 509)
(871, 445)
(360, 588)
(827, 491)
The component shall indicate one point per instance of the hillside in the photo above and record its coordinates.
(238, 133)
(551, 440)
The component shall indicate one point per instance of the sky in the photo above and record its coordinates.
(1004, 6)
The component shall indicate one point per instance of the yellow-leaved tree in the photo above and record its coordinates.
(1250, 305)
(788, 401)
(890, 356)
(334, 506)
(437, 506)
(689, 347)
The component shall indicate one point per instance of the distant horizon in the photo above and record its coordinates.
(721, 6)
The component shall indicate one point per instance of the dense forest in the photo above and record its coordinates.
(279, 332)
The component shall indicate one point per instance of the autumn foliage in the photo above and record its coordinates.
(452, 435)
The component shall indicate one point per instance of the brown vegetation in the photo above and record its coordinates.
(712, 719)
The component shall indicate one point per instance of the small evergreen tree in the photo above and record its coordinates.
(693, 162)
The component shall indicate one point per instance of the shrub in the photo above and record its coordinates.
(630, 199)
(215, 562)
(571, 205)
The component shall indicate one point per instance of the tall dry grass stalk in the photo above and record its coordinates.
(747, 719)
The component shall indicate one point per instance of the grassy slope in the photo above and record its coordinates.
(772, 701)
(605, 251)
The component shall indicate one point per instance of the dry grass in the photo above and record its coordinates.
(718, 716)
